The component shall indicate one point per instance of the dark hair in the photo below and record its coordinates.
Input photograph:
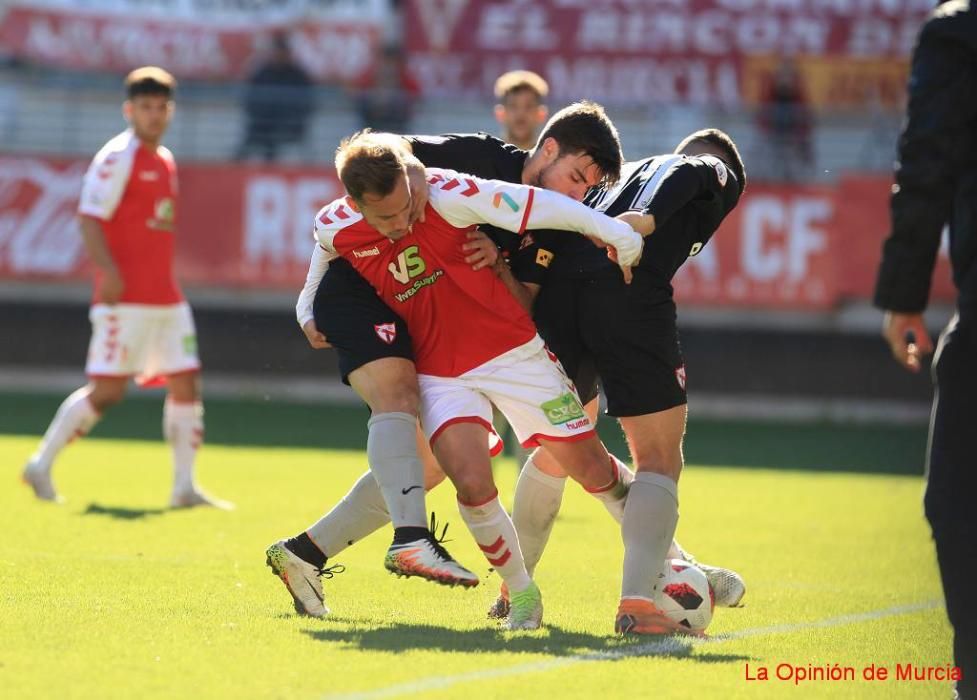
(149, 80)
(584, 128)
(370, 163)
(721, 140)
(519, 80)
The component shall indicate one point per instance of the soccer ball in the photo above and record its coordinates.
(686, 596)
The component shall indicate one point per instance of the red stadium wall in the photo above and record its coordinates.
(784, 247)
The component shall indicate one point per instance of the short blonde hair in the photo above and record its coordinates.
(516, 80)
(370, 163)
(149, 80)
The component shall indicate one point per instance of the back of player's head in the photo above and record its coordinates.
(370, 163)
(149, 80)
(721, 141)
(516, 81)
(584, 128)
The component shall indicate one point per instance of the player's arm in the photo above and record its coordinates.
(940, 115)
(684, 180)
(464, 201)
(101, 192)
(303, 307)
(941, 111)
(93, 235)
(477, 153)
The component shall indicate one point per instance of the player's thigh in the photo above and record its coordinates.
(172, 350)
(433, 474)
(357, 322)
(184, 387)
(105, 392)
(121, 336)
(557, 316)
(637, 352)
(531, 388)
(655, 440)
(585, 460)
(387, 384)
(544, 459)
(462, 450)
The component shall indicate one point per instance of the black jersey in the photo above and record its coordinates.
(688, 196)
(481, 155)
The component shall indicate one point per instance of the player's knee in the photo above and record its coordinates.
(667, 462)
(474, 488)
(399, 397)
(105, 396)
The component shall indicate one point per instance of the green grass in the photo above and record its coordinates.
(112, 596)
(817, 447)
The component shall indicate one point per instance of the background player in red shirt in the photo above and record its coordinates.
(141, 325)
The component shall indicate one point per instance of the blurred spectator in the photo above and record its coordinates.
(9, 97)
(385, 101)
(785, 125)
(278, 103)
(521, 108)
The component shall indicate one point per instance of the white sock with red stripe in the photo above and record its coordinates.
(534, 509)
(183, 428)
(75, 417)
(495, 535)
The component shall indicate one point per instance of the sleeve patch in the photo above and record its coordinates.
(721, 173)
(544, 257)
(502, 197)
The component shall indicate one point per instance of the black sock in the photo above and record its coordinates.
(409, 534)
(304, 548)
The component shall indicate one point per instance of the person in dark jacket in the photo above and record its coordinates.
(277, 104)
(936, 185)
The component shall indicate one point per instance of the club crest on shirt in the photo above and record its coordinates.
(680, 376)
(164, 215)
(387, 332)
(721, 173)
(544, 257)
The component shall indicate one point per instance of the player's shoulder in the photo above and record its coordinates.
(116, 156)
(167, 155)
(336, 216)
(446, 184)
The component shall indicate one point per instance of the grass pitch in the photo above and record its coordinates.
(111, 595)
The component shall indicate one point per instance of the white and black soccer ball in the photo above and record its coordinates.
(686, 596)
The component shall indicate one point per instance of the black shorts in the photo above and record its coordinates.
(356, 321)
(605, 329)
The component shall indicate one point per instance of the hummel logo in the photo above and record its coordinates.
(367, 253)
(407, 491)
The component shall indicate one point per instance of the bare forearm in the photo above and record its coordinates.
(525, 294)
(95, 245)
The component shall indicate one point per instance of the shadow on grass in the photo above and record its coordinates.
(816, 447)
(123, 513)
(554, 641)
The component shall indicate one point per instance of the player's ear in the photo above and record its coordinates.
(500, 114)
(127, 110)
(542, 114)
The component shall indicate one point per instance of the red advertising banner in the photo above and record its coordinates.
(239, 226)
(199, 39)
(652, 50)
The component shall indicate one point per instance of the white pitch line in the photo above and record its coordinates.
(659, 647)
